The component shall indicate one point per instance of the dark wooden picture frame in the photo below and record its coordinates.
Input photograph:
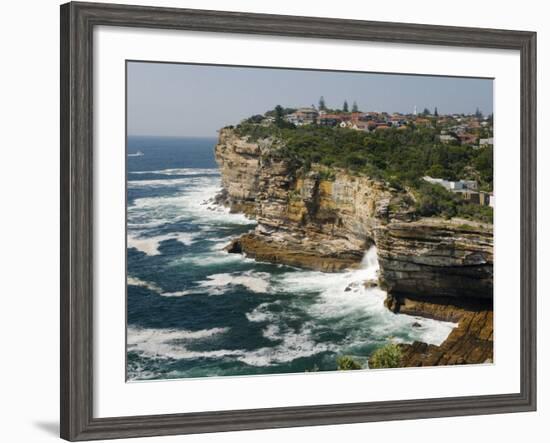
(77, 23)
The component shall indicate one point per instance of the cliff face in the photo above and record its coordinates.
(444, 258)
(309, 221)
(326, 223)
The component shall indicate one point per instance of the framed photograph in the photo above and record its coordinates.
(273, 221)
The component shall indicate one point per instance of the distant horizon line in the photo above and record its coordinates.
(172, 136)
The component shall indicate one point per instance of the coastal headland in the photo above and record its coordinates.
(324, 218)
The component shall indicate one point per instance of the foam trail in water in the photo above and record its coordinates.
(134, 281)
(344, 299)
(253, 281)
(170, 343)
(150, 245)
(180, 171)
(194, 203)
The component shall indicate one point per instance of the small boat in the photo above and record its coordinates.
(136, 154)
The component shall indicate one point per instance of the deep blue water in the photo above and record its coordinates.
(195, 310)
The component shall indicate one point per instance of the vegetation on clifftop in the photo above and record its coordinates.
(399, 156)
(347, 363)
(388, 356)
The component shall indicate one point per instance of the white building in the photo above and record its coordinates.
(460, 185)
(486, 141)
(446, 138)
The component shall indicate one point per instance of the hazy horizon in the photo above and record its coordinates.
(175, 100)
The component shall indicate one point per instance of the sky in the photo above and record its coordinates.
(173, 99)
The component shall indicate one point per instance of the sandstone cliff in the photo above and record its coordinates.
(325, 220)
(303, 219)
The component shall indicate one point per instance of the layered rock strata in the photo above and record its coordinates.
(471, 342)
(436, 257)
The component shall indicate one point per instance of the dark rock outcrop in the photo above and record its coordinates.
(436, 257)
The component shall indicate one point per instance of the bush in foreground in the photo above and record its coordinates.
(388, 356)
(347, 363)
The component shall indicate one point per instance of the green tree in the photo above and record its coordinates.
(322, 104)
(346, 107)
(484, 163)
(434, 200)
(255, 119)
(347, 363)
(388, 356)
(354, 107)
(279, 114)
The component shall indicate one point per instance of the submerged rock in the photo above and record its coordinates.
(234, 247)
(370, 284)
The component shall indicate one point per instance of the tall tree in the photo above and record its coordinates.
(354, 107)
(346, 107)
(435, 112)
(279, 113)
(322, 104)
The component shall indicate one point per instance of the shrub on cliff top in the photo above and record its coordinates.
(347, 363)
(435, 200)
(388, 356)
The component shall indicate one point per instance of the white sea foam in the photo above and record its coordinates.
(134, 281)
(293, 345)
(157, 183)
(181, 171)
(344, 298)
(211, 259)
(272, 332)
(253, 281)
(194, 203)
(150, 245)
(170, 343)
(261, 313)
(176, 293)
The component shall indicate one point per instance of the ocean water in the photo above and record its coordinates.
(194, 310)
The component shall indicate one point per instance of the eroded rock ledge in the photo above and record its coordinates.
(471, 342)
(292, 251)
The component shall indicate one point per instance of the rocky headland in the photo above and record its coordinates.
(326, 219)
